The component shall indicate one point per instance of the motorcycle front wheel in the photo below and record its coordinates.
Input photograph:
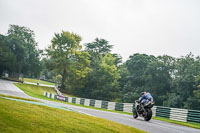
(135, 115)
(149, 115)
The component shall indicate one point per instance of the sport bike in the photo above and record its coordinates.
(143, 109)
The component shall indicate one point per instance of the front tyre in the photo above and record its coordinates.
(135, 115)
(149, 115)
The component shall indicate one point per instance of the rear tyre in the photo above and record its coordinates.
(135, 115)
(149, 115)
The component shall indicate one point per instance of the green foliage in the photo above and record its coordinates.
(172, 82)
(99, 46)
(197, 94)
(47, 72)
(118, 59)
(107, 83)
(58, 79)
(102, 81)
(158, 77)
(24, 47)
(7, 57)
(188, 68)
(68, 60)
(197, 81)
(173, 100)
(137, 65)
(21, 53)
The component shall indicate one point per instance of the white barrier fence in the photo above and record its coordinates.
(177, 114)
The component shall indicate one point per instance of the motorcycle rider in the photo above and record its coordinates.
(145, 99)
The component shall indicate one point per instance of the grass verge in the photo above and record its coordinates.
(23, 117)
(36, 81)
(188, 124)
(19, 98)
(37, 91)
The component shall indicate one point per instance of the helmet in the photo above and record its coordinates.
(142, 93)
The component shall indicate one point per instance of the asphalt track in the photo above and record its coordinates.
(153, 126)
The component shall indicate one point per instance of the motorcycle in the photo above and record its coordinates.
(143, 109)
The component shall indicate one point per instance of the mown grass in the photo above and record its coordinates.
(19, 98)
(37, 91)
(23, 117)
(36, 81)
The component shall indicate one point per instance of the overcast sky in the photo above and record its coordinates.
(154, 27)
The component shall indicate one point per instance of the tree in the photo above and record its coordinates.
(147, 73)
(103, 79)
(21, 41)
(58, 79)
(137, 65)
(197, 81)
(158, 78)
(133, 82)
(47, 69)
(68, 60)
(193, 101)
(7, 57)
(99, 46)
(173, 100)
(118, 59)
(187, 68)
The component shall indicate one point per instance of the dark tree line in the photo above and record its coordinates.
(19, 53)
(95, 72)
(173, 82)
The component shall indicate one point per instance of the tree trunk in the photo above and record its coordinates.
(63, 80)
